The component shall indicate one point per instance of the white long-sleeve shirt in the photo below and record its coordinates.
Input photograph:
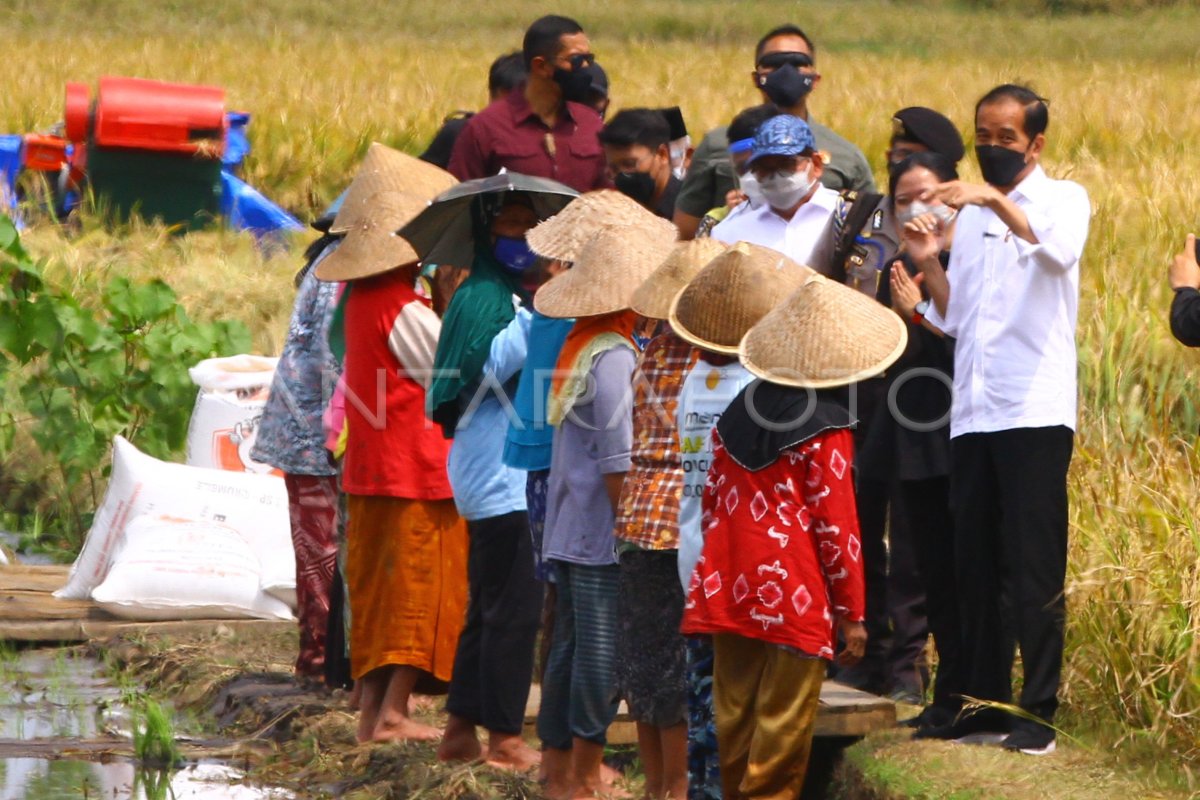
(1013, 309)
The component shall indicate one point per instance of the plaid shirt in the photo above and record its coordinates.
(648, 513)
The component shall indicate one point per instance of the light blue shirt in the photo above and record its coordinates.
(483, 486)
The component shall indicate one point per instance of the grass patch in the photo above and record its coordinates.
(890, 766)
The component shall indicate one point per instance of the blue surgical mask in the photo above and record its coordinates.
(513, 254)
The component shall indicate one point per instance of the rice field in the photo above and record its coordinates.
(323, 80)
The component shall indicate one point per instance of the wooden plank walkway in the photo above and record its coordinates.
(843, 712)
(29, 612)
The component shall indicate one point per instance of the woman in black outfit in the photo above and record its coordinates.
(910, 432)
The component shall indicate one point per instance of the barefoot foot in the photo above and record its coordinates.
(404, 729)
(460, 742)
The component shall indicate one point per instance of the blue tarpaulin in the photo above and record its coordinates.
(12, 157)
(237, 145)
(245, 208)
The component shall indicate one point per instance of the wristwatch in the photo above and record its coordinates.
(919, 312)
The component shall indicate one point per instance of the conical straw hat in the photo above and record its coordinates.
(608, 267)
(731, 294)
(373, 246)
(653, 298)
(387, 170)
(825, 334)
(562, 236)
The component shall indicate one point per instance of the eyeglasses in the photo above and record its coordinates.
(777, 60)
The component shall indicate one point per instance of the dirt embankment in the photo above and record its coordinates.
(242, 686)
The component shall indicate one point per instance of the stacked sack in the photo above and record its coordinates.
(190, 541)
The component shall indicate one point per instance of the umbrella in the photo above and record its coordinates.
(442, 233)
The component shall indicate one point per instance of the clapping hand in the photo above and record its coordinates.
(906, 291)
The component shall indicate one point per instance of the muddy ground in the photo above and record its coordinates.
(302, 735)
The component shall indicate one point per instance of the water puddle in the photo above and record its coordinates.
(65, 733)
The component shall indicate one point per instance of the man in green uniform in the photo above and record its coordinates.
(784, 71)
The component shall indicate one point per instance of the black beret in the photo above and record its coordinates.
(928, 127)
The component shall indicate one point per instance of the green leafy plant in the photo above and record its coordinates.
(154, 735)
(89, 372)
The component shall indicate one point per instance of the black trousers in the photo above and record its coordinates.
(1009, 494)
(927, 507)
(493, 665)
(895, 598)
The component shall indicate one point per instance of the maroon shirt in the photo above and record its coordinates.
(508, 134)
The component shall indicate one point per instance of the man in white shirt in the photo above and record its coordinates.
(796, 209)
(1010, 297)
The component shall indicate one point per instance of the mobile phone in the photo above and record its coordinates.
(1198, 249)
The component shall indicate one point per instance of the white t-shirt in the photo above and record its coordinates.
(707, 391)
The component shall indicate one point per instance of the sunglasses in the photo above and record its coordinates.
(777, 60)
(582, 61)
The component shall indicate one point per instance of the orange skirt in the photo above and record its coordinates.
(406, 577)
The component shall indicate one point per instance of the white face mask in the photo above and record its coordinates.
(751, 188)
(917, 208)
(783, 190)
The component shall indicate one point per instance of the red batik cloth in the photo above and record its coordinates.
(782, 555)
(312, 505)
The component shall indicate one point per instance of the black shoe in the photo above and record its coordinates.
(931, 717)
(978, 728)
(1031, 738)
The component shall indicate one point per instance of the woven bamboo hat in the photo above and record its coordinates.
(387, 170)
(823, 335)
(562, 236)
(731, 294)
(653, 298)
(608, 267)
(372, 246)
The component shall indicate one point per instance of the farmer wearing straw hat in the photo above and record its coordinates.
(559, 239)
(651, 653)
(406, 546)
(478, 357)
(795, 214)
(712, 313)
(781, 563)
(590, 405)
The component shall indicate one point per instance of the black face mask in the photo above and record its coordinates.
(576, 82)
(786, 86)
(637, 186)
(999, 165)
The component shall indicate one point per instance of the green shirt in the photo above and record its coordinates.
(710, 176)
